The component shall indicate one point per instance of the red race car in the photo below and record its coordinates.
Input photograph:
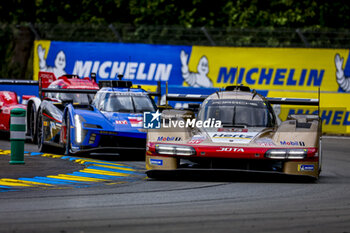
(9, 101)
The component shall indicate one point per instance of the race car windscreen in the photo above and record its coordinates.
(237, 113)
(116, 102)
(80, 98)
(77, 97)
(74, 97)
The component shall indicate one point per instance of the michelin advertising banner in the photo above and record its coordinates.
(276, 72)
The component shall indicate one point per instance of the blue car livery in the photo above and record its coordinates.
(113, 122)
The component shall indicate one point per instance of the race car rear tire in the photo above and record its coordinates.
(68, 144)
(40, 134)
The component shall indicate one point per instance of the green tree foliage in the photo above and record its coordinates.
(191, 13)
(229, 22)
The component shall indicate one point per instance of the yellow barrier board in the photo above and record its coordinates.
(272, 68)
(334, 109)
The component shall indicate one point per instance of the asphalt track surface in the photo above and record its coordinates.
(255, 205)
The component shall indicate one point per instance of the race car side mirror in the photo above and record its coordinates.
(93, 76)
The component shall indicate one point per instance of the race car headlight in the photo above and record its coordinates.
(79, 134)
(164, 149)
(286, 154)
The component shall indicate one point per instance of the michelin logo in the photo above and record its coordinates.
(342, 80)
(270, 76)
(157, 162)
(131, 70)
(304, 167)
(199, 78)
(60, 63)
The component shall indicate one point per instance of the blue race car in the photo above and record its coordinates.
(111, 123)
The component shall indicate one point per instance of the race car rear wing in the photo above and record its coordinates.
(128, 84)
(272, 100)
(46, 78)
(294, 101)
(18, 82)
(186, 97)
(53, 90)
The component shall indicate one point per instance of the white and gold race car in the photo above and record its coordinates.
(235, 130)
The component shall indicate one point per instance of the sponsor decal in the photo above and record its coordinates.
(230, 149)
(198, 137)
(240, 137)
(265, 142)
(292, 143)
(45, 123)
(157, 162)
(121, 122)
(164, 139)
(232, 130)
(135, 121)
(306, 167)
(195, 141)
(151, 120)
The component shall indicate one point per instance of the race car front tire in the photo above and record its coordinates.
(68, 142)
(31, 122)
(40, 134)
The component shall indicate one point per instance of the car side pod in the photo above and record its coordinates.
(17, 135)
